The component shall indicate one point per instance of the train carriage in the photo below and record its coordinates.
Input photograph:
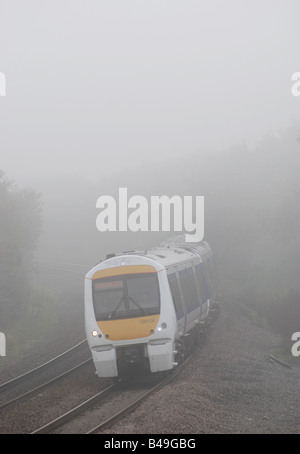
(147, 308)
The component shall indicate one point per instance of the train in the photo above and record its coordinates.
(147, 309)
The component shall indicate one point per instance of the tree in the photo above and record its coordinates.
(20, 227)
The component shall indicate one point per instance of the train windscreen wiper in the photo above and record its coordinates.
(116, 308)
(137, 304)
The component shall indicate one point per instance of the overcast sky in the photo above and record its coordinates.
(101, 85)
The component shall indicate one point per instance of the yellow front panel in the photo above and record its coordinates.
(121, 270)
(129, 328)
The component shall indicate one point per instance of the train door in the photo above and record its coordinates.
(211, 277)
(198, 287)
(187, 283)
(177, 299)
(204, 289)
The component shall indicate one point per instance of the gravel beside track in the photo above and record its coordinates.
(62, 396)
(229, 387)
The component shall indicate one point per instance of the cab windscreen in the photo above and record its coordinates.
(127, 296)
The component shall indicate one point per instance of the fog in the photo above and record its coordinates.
(172, 97)
(101, 86)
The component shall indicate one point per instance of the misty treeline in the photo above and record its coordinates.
(20, 227)
(252, 221)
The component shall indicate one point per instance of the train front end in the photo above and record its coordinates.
(129, 316)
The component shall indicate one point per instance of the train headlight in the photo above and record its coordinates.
(94, 333)
(162, 326)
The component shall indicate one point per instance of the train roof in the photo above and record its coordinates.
(167, 254)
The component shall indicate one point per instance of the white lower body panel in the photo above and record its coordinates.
(105, 362)
(160, 356)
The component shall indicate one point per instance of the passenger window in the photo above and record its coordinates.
(212, 275)
(202, 282)
(173, 282)
(189, 289)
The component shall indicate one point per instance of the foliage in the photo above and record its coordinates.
(20, 227)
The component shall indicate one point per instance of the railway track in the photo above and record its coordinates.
(23, 394)
(112, 419)
(104, 408)
(63, 269)
(274, 359)
(90, 416)
(58, 367)
(44, 375)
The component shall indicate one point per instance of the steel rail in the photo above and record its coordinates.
(274, 359)
(140, 399)
(31, 372)
(71, 414)
(44, 385)
(57, 422)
